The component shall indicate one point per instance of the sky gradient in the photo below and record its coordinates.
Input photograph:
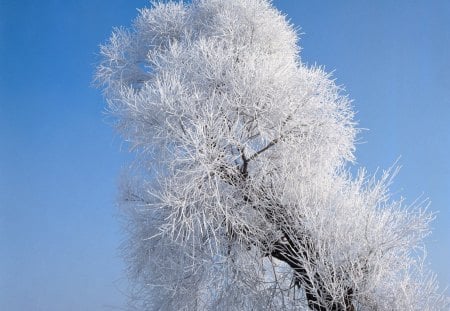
(60, 159)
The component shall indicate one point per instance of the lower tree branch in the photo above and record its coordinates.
(319, 299)
(297, 256)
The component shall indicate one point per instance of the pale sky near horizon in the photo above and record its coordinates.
(60, 160)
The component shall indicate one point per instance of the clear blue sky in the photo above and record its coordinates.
(59, 159)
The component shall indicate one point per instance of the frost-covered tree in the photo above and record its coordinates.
(241, 196)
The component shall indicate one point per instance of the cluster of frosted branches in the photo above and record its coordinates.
(243, 200)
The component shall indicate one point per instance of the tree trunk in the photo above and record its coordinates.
(316, 294)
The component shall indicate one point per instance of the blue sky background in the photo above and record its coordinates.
(60, 160)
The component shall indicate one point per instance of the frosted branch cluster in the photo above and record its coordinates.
(240, 198)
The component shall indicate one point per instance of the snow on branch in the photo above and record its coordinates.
(245, 201)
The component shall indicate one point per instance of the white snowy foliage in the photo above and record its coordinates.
(243, 200)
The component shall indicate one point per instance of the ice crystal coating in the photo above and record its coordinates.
(243, 201)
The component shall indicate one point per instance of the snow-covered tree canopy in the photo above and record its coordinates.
(240, 198)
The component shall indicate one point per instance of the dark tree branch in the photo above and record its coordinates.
(319, 299)
(244, 168)
(270, 144)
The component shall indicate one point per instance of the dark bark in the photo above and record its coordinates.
(316, 294)
(298, 251)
